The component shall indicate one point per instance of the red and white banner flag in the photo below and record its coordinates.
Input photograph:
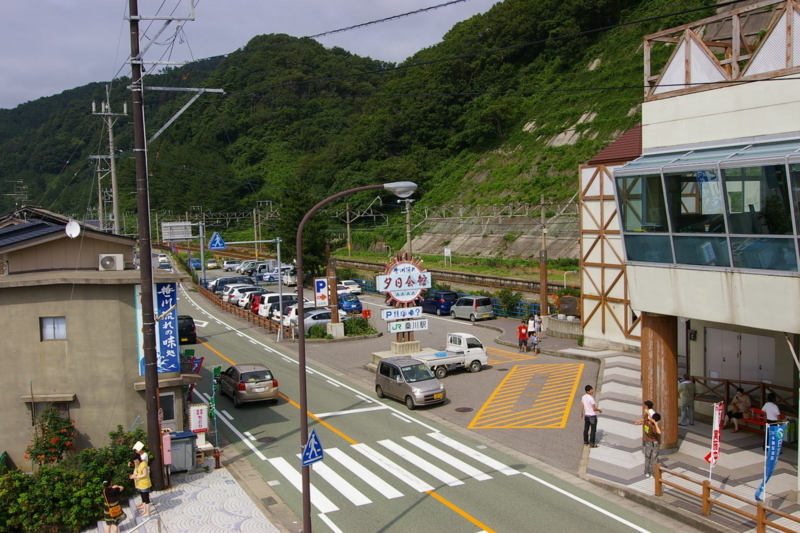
(716, 434)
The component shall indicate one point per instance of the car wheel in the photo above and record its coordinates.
(453, 314)
(438, 312)
(440, 372)
(410, 403)
(475, 366)
(472, 318)
(236, 402)
(379, 391)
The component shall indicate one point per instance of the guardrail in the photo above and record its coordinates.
(715, 390)
(245, 314)
(760, 516)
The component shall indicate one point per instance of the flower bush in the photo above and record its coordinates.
(54, 437)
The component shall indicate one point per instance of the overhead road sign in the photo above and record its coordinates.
(216, 243)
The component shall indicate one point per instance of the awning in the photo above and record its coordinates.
(687, 159)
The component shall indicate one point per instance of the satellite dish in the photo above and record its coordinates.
(73, 229)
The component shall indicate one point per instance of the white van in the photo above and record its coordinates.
(269, 299)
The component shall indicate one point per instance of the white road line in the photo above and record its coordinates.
(365, 474)
(249, 435)
(332, 383)
(339, 483)
(393, 468)
(427, 466)
(322, 503)
(474, 454)
(587, 504)
(227, 414)
(239, 434)
(403, 418)
(451, 460)
(330, 523)
(351, 411)
(364, 398)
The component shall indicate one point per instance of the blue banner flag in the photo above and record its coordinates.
(774, 439)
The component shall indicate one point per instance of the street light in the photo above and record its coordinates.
(565, 276)
(403, 189)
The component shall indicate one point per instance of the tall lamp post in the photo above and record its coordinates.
(403, 189)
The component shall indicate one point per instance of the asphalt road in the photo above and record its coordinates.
(390, 469)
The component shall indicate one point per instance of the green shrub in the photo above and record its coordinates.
(317, 331)
(346, 273)
(509, 300)
(569, 291)
(358, 326)
(580, 340)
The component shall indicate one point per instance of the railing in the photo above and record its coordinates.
(245, 314)
(707, 501)
(715, 390)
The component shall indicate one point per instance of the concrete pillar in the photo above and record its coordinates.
(660, 372)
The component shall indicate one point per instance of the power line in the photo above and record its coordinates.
(387, 19)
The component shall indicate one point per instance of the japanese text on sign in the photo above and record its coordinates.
(198, 418)
(408, 325)
(167, 345)
(403, 281)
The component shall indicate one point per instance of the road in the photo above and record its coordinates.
(387, 468)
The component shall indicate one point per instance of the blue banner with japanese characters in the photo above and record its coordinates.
(774, 440)
(167, 347)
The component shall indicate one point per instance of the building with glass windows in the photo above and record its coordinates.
(709, 214)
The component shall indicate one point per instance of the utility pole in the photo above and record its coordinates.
(349, 243)
(108, 118)
(407, 201)
(543, 306)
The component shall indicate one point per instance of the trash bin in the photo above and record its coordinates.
(184, 450)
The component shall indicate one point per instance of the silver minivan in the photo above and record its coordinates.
(408, 380)
(473, 308)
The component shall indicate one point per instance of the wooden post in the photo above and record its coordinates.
(657, 479)
(660, 372)
(706, 497)
(761, 515)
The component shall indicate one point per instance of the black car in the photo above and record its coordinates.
(187, 332)
(221, 283)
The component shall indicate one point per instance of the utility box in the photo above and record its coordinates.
(184, 450)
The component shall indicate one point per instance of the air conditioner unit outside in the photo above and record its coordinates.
(112, 262)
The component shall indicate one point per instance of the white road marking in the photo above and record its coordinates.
(451, 460)
(339, 483)
(249, 435)
(403, 418)
(329, 523)
(587, 504)
(474, 454)
(393, 468)
(227, 414)
(322, 503)
(332, 383)
(351, 411)
(200, 323)
(364, 473)
(427, 466)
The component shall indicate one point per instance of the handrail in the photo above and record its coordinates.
(723, 390)
(145, 521)
(707, 502)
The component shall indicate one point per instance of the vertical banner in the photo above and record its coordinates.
(774, 441)
(167, 347)
(716, 435)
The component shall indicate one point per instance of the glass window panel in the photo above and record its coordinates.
(648, 248)
(764, 253)
(695, 202)
(758, 201)
(53, 328)
(796, 193)
(702, 250)
(641, 201)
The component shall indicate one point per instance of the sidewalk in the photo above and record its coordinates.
(618, 464)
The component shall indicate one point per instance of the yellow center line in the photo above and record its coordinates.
(441, 500)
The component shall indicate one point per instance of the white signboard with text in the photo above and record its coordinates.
(401, 313)
(198, 417)
(408, 325)
(405, 282)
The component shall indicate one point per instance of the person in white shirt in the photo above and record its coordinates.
(589, 412)
(770, 409)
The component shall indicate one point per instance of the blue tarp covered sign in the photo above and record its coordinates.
(774, 439)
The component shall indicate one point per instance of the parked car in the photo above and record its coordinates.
(162, 258)
(254, 298)
(229, 288)
(473, 308)
(349, 303)
(315, 317)
(409, 381)
(245, 264)
(272, 276)
(268, 300)
(439, 302)
(352, 286)
(212, 263)
(229, 265)
(240, 292)
(187, 332)
(195, 264)
(249, 383)
(244, 297)
(222, 283)
(165, 266)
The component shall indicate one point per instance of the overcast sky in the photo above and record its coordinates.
(50, 46)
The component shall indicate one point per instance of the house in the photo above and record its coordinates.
(71, 322)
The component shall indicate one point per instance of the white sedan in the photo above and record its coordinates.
(351, 286)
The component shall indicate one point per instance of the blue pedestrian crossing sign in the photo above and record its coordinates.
(216, 242)
(312, 452)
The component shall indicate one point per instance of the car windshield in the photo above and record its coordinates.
(257, 375)
(415, 373)
(349, 298)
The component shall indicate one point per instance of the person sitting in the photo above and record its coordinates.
(771, 410)
(740, 407)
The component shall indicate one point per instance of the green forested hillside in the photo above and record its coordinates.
(299, 121)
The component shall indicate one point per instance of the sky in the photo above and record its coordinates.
(50, 46)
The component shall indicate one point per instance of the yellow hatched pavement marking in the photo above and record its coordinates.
(553, 388)
(498, 356)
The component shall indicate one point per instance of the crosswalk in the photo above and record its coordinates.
(390, 469)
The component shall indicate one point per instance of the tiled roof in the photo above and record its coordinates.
(626, 148)
(26, 231)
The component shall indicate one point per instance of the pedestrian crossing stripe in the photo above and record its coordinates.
(402, 453)
(554, 387)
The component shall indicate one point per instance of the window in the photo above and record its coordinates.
(758, 201)
(695, 202)
(53, 328)
(641, 201)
